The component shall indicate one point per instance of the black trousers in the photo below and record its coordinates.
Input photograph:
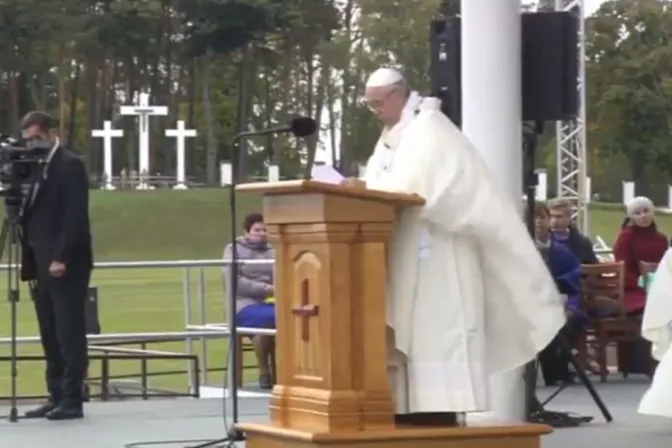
(635, 356)
(60, 305)
(554, 359)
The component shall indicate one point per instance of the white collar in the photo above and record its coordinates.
(53, 150)
(411, 107)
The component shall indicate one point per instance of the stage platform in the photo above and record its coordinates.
(116, 424)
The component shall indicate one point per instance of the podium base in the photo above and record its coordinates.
(471, 436)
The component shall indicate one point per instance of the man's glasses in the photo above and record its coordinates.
(374, 105)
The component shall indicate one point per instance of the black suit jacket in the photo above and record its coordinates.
(55, 221)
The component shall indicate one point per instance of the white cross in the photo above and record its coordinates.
(143, 110)
(107, 134)
(180, 134)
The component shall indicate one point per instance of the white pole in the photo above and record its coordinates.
(542, 185)
(273, 173)
(491, 117)
(628, 191)
(225, 174)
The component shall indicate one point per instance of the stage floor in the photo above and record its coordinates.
(117, 424)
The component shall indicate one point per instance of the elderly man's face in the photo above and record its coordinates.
(385, 102)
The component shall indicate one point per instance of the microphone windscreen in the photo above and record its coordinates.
(303, 126)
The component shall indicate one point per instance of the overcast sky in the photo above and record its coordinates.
(592, 5)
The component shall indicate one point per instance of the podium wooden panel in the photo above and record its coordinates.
(332, 385)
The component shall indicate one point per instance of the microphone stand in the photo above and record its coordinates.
(534, 409)
(233, 435)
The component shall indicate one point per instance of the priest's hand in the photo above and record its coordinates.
(353, 182)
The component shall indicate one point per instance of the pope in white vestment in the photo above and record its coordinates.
(657, 328)
(468, 293)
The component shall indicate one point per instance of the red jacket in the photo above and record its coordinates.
(635, 244)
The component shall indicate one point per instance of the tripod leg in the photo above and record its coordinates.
(10, 231)
(581, 373)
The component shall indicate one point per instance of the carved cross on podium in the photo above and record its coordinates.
(306, 310)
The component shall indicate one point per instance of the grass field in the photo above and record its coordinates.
(169, 225)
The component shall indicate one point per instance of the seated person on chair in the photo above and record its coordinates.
(254, 301)
(566, 233)
(639, 240)
(566, 271)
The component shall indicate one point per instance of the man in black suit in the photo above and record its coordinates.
(57, 257)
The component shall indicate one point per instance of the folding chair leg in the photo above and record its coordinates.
(602, 356)
(239, 360)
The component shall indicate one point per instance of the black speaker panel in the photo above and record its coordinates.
(445, 67)
(550, 66)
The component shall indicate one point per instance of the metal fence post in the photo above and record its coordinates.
(186, 288)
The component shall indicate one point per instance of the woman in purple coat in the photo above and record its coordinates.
(255, 287)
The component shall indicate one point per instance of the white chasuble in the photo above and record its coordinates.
(657, 328)
(381, 160)
(468, 292)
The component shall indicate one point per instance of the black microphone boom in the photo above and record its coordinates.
(299, 126)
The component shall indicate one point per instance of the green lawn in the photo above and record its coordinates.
(134, 226)
(169, 225)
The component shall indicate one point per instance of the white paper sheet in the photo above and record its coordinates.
(326, 173)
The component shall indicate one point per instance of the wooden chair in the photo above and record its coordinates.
(245, 346)
(604, 284)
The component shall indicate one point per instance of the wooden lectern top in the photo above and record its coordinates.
(306, 186)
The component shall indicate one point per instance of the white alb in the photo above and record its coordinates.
(468, 293)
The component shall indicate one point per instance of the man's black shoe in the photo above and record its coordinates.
(40, 412)
(65, 413)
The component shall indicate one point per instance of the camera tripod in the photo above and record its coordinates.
(535, 411)
(10, 239)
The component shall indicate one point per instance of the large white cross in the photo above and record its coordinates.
(107, 134)
(180, 135)
(143, 110)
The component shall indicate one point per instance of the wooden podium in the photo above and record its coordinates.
(332, 385)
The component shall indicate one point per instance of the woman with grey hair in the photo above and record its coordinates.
(638, 241)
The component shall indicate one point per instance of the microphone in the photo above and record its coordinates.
(299, 126)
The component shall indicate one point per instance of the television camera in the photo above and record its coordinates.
(19, 161)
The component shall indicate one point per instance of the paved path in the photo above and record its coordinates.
(116, 424)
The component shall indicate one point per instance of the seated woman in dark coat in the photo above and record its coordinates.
(254, 289)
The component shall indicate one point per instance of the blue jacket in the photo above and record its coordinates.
(566, 271)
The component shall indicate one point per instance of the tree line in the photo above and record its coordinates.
(226, 65)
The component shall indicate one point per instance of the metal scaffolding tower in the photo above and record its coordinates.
(572, 178)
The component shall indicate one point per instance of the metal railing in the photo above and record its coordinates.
(201, 330)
